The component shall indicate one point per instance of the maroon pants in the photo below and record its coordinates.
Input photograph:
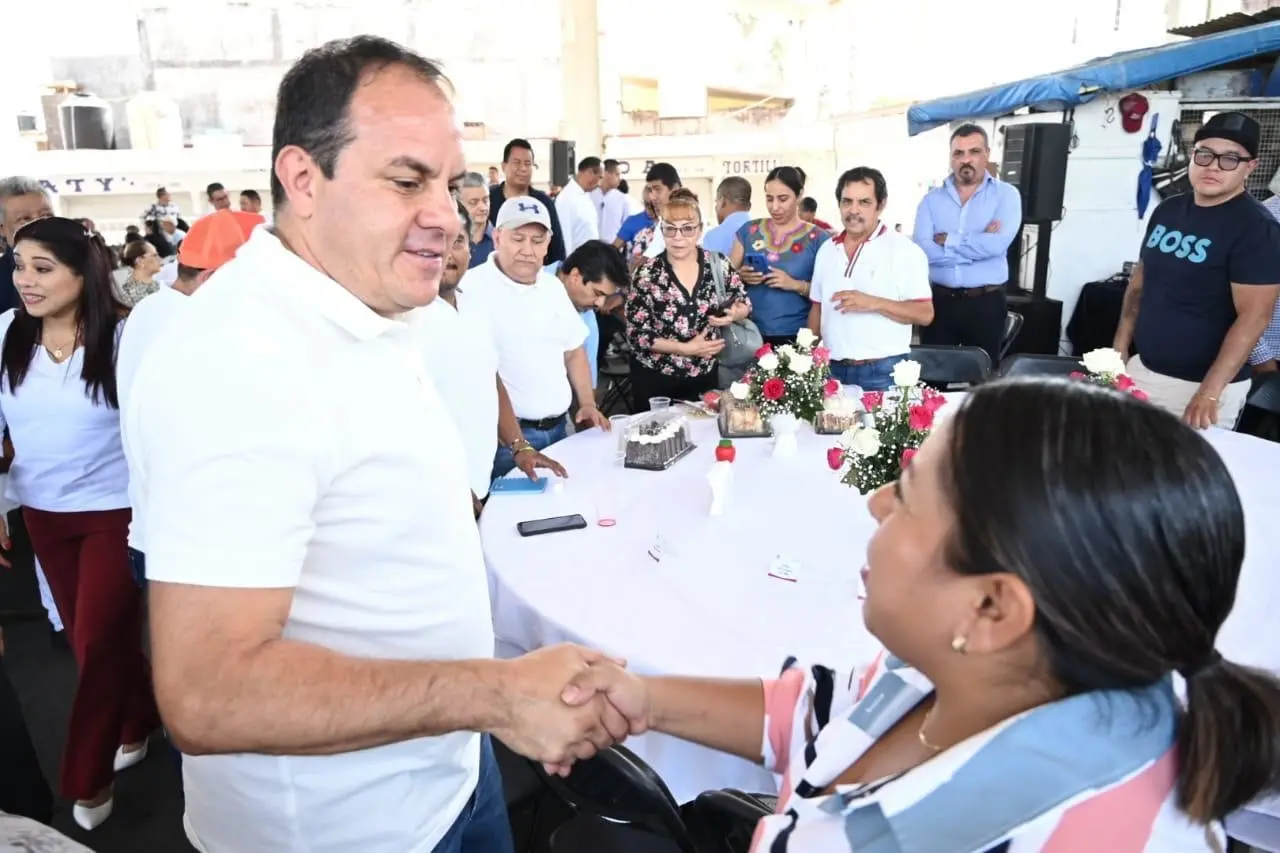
(85, 556)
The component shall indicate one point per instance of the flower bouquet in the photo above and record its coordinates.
(1105, 367)
(786, 386)
(871, 456)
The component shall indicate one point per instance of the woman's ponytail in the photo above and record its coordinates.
(1228, 740)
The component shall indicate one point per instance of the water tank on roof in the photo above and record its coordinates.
(86, 122)
(155, 122)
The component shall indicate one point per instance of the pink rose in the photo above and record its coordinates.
(933, 399)
(835, 458)
(830, 388)
(871, 400)
(1139, 393)
(920, 418)
(1123, 382)
(764, 350)
(907, 455)
(1076, 374)
(821, 356)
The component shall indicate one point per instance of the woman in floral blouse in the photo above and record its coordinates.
(143, 262)
(673, 315)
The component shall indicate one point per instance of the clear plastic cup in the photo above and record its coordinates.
(618, 429)
(657, 403)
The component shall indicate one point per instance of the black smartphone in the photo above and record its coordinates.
(721, 310)
(539, 526)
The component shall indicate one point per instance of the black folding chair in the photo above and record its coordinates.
(725, 821)
(1012, 325)
(622, 806)
(1028, 364)
(1261, 414)
(951, 368)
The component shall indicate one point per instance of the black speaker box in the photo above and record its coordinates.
(1035, 161)
(1041, 324)
(564, 164)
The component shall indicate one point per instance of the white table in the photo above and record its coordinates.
(709, 608)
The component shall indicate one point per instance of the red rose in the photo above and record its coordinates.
(774, 389)
(711, 400)
(764, 350)
(1123, 382)
(871, 400)
(933, 399)
(907, 456)
(830, 388)
(920, 418)
(1075, 374)
(821, 355)
(796, 248)
(835, 458)
(1139, 393)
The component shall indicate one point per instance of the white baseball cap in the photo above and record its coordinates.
(523, 210)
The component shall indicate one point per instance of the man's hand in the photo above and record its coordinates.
(940, 238)
(1202, 411)
(588, 416)
(703, 346)
(994, 227)
(538, 723)
(626, 693)
(854, 302)
(529, 461)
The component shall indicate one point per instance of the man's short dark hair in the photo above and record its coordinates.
(313, 103)
(864, 174)
(624, 187)
(211, 189)
(664, 172)
(969, 130)
(252, 195)
(736, 191)
(610, 164)
(597, 261)
(186, 273)
(809, 204)
(587, 163)
(161, 191)
(516, 144)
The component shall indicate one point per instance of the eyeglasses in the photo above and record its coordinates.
(522, 164)
(687, 230)
(1228, 161)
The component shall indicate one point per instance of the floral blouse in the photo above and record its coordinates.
(135, 291)
(658, 307)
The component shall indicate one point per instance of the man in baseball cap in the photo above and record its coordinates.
(212, 241)
(524, 210)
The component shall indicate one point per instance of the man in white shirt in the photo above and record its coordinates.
(321, 634)
(613, 203)
(870, 286)
(457, 347)
(213, 241)
(540, 337)
(579, 216)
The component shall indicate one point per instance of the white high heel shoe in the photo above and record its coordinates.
(125, 760)
(90, 818)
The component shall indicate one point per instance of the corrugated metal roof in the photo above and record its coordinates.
(1234, 21)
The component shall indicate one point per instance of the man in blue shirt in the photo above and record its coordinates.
(965, 227)
(594, 272)
(733, 210)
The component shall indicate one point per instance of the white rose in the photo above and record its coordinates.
(769, 362)
(739, 390)
(866, 441)
(906, 373)
(1104, 361)
(800, 364)
(806, 338)
(847, 437)
(787, 349)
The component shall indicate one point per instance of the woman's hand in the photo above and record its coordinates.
(703, 346)
(750, 276)
(720, 320)
(779, 280)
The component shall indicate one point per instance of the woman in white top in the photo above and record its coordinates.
(58, 400)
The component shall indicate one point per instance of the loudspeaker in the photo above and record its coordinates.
(1041, 324)
(564, 163)
(1035, 161)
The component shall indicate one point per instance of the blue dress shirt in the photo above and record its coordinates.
(971, 256)
(720, 238)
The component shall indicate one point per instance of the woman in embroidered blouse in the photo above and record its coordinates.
(1035, 592)
(143, 262)
(674, 318)
(788, 246)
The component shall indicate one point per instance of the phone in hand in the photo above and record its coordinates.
(559, 523)
(722, 310)
(757, 262)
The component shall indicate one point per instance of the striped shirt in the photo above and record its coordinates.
(1268, 346)
(1091, 772)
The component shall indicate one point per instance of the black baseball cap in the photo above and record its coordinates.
(1233, 126)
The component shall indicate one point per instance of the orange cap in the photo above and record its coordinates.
(214, 239)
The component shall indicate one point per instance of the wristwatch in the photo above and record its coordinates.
(521, 445)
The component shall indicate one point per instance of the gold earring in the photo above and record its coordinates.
(959, 643)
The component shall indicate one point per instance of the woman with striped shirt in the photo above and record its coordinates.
(1053, 554)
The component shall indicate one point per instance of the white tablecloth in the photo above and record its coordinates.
(709, 607)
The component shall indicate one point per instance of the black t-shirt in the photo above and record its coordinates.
(1190, 258)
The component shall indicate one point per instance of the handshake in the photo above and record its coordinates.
(565, 703)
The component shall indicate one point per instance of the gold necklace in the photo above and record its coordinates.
(924, 740)
(57, 350)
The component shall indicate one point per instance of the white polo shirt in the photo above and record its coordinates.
(147, 322)
(456, 346)
(67, 451)
(888, 265)
(579, 217)
(534, 326)
(314, 454)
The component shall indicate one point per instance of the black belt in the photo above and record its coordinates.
(542, 423)
(856, 362)
(967, 291)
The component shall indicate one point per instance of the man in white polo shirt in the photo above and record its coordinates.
(870, 286)
(320, 622)
(578, 214)
(539, 335)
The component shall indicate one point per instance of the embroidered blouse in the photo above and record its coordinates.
(658, 307)
(1092, 772)
(134, 291)
(781, 312)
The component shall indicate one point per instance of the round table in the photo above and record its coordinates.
(709, 607)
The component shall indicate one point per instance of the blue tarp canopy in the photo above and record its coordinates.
(1122, 72)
